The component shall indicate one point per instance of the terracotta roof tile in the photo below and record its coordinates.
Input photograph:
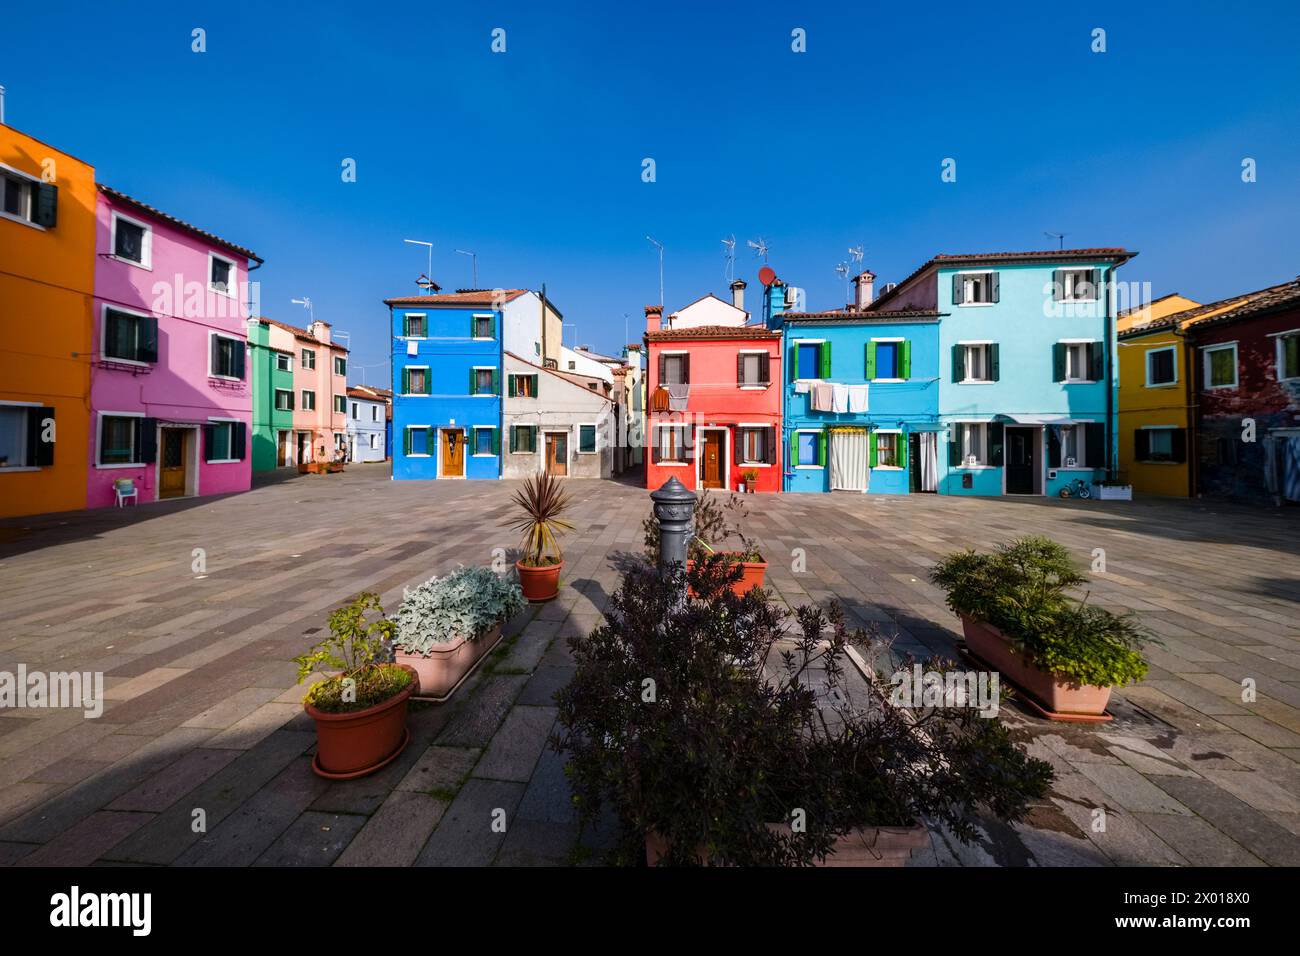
(302, 334)
(713, 332)
(178, 223)
(484, 297)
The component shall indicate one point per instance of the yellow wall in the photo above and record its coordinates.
(1142, 406)
(46, 287)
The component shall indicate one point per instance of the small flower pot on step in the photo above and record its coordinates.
(539, 582)
(360, 742)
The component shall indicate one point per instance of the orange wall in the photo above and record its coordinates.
(46, 287)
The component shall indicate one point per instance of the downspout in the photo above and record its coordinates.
(1112, 343)
(1189, 404)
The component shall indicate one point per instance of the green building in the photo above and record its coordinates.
(272, 378)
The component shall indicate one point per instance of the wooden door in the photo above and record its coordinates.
(557, 454)
(173, 463)
(1020, 461)
(453, 453)
(711, 460)
(282, 449)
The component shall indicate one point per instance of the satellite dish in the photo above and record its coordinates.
(767, 275)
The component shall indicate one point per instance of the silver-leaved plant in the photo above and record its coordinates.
(468, 602)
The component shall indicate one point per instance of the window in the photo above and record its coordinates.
(586, 439)
(283, 362)
(308, 359)
(753, 369)
(283, 400)
(523, 439)
(1162, 367)
(227, 357)
(340, 365)
(355, 411)
(374, 441)
(308, 401)
(129, 337)
(1160, 445)
(483, 381)
(974, 288)
(975, 362)
(809, 449)
(222, 441)
(886, 450)
(416, 326)
(221, 274)
(415, 380)
(1288, 355)
(340, 404)
(808, 361)
(117, 439)
(1075, 285)
(889, 360)
(674, 368)
(572, 365)
(1072, 446)
(374, 413)
(753, 446)
(132, 241)
(417, 440)
(1078, 361)
(483, 327)
(26, 436)
(1221, 366)
(27, 199)
(674, 443)
(523, 386)
(972, 443)
(485, 441)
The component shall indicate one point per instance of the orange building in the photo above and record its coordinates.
(47, 259)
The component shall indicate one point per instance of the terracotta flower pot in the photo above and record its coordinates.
(443, 669)
(361, 741)
(541, 582)
(863, 846)
(990, 645)
(751, 576)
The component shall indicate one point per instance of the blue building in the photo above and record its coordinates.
(447, 360)
(1028, 383)
(879, 431)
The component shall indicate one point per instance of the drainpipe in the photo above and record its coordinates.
(1188, 356)
(1112, 343)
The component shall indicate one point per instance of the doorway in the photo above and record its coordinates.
(173, 468)
(304, 447)
(1022, 461)
(849, 458)
(283, 449)
(452, 441)
(711, 475)
(557, 454)
(923, 462)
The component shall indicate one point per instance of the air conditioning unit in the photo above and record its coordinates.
(794, 299)
(890, 287)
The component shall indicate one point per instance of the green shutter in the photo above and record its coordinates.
(512, 389)
(431, 441)
(993, 362)
(821, 449)
(905, 359)
(473, 381)
(1058, 362)
(45, 205)
(496, 381)
(536, 386)
(794, 449)
(958, 362)
(406, 441)
(871, 360)
(825, 360)
(871, 449)
(954, 444)
(406, 381)
(793, 362)
(496, 441)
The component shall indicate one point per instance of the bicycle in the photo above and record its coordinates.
(1078, 488)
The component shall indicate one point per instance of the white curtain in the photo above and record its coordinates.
(848, 454)
(929, 461)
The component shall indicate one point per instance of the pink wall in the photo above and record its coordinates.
(323, 423)
(177, 388)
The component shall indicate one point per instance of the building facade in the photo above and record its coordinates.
(447, 383)
(367, 426)
(1027, 377)
(554, 424)
(170, 397)
(714, 396)
(317, 400)
(274, 398)
(47, 274)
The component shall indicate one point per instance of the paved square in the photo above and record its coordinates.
(193, 609)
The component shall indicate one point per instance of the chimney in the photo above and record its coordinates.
(738, 293)
(319, 330)
(653, 315)
(863, 283)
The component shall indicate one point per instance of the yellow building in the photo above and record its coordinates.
(47, 261)
(1156, 406)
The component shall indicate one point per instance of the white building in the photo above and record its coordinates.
(555, 422)
(367, 423)
(530, 328)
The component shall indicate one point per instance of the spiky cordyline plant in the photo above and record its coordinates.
(543, 501)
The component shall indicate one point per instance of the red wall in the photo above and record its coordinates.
(1258, 390)
(716, 399)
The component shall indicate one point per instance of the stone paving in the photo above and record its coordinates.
(203, 714)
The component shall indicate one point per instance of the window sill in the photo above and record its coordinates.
(887, 381)
(1219, 388)
(225, 378)
(415, 454)
(888, 468)
(673, 464)
(482, 455)
(755, 464)
(974, 467)
(26, 222)
(977, 381)
(1162, 385)
(131, 262)
(225, 293)
(974, 305)
(810, 467)
(1139, 461)
(1081, 381)
(129, 464)
(222, 461)
(15, 469)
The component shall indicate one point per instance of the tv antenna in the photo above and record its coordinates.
(1059, 237)
(660, 246)
(473, 263)
(855, 256)
(427, 278)
(843, 270)
(760, 247)
(730, 270)
(306, 304)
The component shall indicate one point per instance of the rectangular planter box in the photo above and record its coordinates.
(447, 665)
(864, 846)
(1114, 492)
(994, 648)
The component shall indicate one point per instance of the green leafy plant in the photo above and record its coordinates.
(1021, 589)
(465, 603)
(707, 720)
(357, 657)
(715, 524)
(543, 501)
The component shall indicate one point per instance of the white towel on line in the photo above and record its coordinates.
(839, 398)
(857, 399)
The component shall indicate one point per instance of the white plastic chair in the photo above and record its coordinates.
(125, 488)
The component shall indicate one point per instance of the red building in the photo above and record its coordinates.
(713, 387)
(1247, 388)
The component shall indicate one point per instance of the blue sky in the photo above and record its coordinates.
(532, 158)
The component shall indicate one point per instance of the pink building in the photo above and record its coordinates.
(170, 392)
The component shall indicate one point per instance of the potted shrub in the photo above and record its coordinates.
(446, 625)
(360, 708)
(696, 722)
(715, 525)
(1017, 617)
(750, 476)
(543, 503)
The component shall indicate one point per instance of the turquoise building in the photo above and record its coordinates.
(1028, 383)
